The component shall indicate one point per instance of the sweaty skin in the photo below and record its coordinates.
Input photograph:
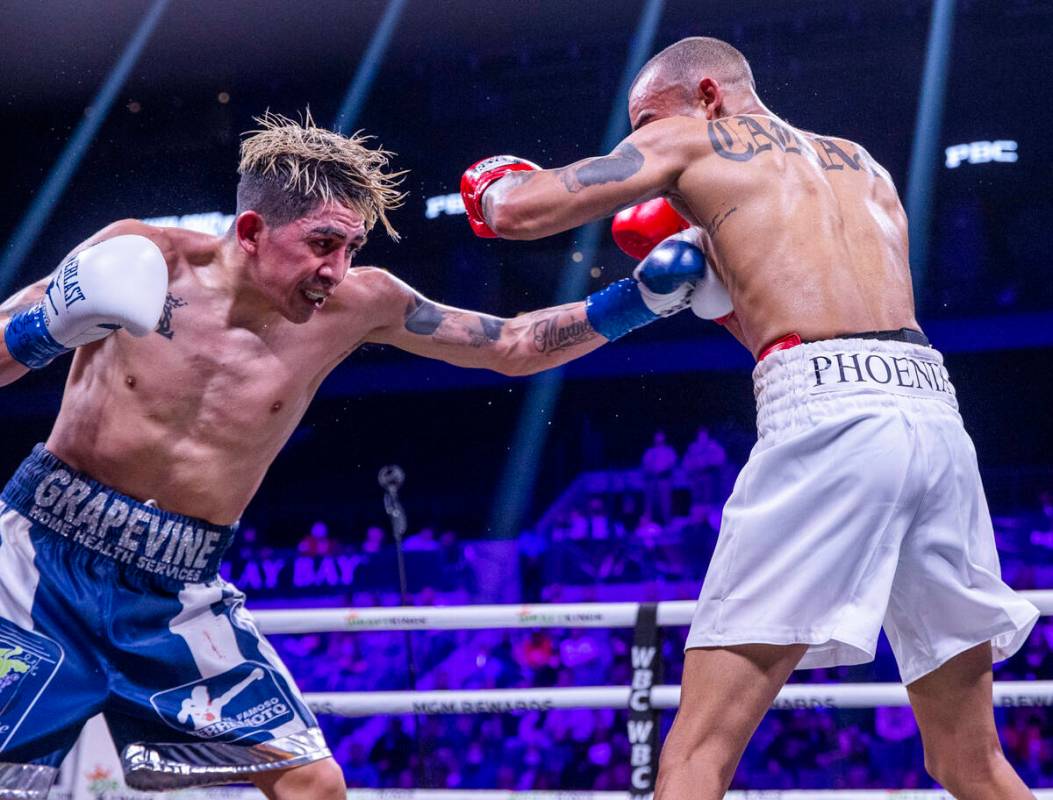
(193, 414)
(807, 232)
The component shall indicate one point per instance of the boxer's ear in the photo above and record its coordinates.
(248, 227)
(711, 97)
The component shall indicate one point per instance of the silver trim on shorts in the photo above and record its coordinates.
(153, 767)
(26, 781)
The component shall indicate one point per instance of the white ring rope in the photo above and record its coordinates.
(502, 794)
(578, 615)
(1014, 694)
(552, 615)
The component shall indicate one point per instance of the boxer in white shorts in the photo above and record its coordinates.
(861, 505)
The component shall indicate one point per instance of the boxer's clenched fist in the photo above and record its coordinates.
(662, 285)
(638, 230)
(478, 178)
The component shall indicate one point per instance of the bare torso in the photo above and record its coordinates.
(806, 231)
(193, 415)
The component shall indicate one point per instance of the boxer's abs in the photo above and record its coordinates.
(190, 426)
(811, 242)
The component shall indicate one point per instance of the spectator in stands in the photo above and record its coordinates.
(391, 752)
(627, 514)
(1044, 519)
(697, 541)
(424, 539)
(477, 771)
(577, 526)
(659, 460)
(599, 522)
(537, 653)
(703, 463)
(317, 541)
(374, 540)
(249, 547)
(358, 772)
(532, 550)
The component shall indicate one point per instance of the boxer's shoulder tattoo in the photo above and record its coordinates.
(550, 335)
(164, 327)
(744, 138)
(450, 326)
(622, 163)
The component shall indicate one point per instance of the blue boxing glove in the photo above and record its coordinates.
(662, 284)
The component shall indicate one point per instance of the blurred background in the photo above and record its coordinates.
(605, 481)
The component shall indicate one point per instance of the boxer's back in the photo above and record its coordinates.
(807, 231)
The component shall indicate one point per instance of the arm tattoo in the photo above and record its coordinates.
(492, 327)
(424, 318)
(551, 337)
(164, 327)
(624, 162)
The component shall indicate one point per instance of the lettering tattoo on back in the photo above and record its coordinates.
(622, 163)
(744, 138)
(717, 220)
(449, 326)
(164, 327)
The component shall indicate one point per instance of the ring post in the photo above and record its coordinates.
(644, 719)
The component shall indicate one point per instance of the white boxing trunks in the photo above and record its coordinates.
(860, 507)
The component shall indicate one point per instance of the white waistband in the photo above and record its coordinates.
(795, 386)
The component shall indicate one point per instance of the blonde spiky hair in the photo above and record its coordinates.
(288, 167)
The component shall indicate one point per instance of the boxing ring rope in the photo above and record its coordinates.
(577, 615)
(553, 615)
(573, 615)
(1011, 694)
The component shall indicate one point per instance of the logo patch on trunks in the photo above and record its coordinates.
(240, 702)
(28, 662)
(831, 372)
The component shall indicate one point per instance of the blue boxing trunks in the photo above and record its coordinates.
(111, 605)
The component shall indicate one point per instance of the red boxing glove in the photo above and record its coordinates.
(638, 230)
(477, 179)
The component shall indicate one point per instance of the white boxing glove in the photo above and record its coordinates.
(118, 283)
(669, 273)
(711, 300)
(708, 297)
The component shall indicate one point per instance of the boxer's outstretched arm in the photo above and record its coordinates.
(526, 344)
(648, 163)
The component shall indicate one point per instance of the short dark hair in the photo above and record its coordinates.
(287, 168)
(272, 199)
(689, 60)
